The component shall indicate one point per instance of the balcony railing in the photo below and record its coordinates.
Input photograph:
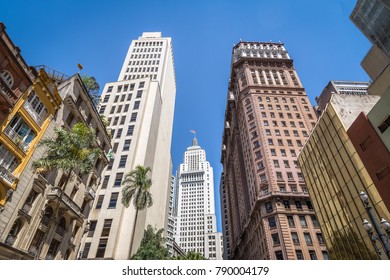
(10, 240)
(16, 138)
(45, 220)
(59, 194)
(60, 231)
(7, 93)
(7, 175)
(29, 108)
(27, 208)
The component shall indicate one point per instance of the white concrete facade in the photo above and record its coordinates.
(140, 109)
(196, 229)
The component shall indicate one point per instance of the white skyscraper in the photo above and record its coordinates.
(196, 229)
(139, 108)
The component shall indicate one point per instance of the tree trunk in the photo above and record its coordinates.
(132, 236)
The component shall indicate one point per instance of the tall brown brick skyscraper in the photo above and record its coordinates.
(268, 118)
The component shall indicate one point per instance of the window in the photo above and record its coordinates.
(325, 255)
(290, 220)
(130, 130)
(118, 179)
(129, 97)
(123, 96)
(320, 238)
(19, 131)
(308, 238)
(86, 249)
(270, 142)
(105, 181)
(286, 204)
(110, 89)
(280, 142)
(275, 239)
(286, 163)
(123, 119)
(92, 227)
(116, 119)
(112, 110)
(309, 205)
(133, 117)
(294, 237)
(101, 248)
(136, 105)
(126, 145)
(383, 172)
(7, 78)
(302, 220)
(298, 205)
(141, 84)
(283, 152)
(122, 162)
(279, 255)
(268, 207)
(99, 201)
(299, 254)
(7, 159)
(315, 222)
(116, 98)
(106, 227)
(273, 152)
(293, 153)
(384, 125)
(139, 94)
(272, 222)
(313, 255)
(279, 175)
(276, 163)
(113, 200)
(119, 133)
(101, 111)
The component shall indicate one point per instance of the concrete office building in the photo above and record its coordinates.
(139, 107)
(340, 87)
(196, 229)
(267, 121)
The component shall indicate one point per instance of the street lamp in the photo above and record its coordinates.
(381, 237)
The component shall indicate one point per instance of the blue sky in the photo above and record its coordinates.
(324, 44)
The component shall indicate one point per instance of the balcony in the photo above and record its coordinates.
(29, 108)
(7, 94)
(16, 138)
(89, 194)
(57, 194)
(7, 175)
(60, 231)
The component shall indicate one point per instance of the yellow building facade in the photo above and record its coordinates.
(22, 129)
(335, 176)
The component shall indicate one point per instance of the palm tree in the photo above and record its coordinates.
(136, 187)
(69, 150)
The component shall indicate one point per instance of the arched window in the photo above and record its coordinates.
(7, 78)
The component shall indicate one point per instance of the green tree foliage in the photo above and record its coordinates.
(92, 87)
(70, 149)
(152, 246)
(190, 256)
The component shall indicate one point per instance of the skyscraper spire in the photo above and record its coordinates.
(194, 141)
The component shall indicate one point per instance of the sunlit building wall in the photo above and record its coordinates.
(268, 118)
(335, 175)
